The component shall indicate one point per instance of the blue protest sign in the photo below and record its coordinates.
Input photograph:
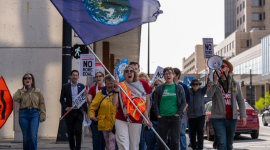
(120, 69)
(187, 80)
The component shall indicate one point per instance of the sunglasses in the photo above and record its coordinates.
(156, 84)
(98, 76)
(194, 84)
(223, 66)
(129, 71)
(29, 78)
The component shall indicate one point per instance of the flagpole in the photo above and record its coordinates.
(148, 71)
(127, 96)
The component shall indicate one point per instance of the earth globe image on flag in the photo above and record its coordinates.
(108, 12)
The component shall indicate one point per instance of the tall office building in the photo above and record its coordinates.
(230, 16)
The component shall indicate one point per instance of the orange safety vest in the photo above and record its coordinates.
(131, 110)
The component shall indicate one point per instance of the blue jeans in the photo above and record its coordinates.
(150, 138)
(142, 140)
(98, 138)
(224, 132)
(183, 139)
(29, 123)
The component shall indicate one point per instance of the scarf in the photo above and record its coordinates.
(232, 84)
(137, 91)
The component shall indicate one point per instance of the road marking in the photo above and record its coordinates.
(259, 146)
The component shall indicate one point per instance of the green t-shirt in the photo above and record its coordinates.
(168, 105)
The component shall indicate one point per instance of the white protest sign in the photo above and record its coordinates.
(80, 99)
(208, 47)
(87, 65)
(158, 74)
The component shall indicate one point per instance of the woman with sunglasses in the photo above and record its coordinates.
(98, 137)
(128, 123)
(32, 111)
(196, 113)
(150, 138)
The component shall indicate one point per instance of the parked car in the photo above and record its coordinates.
(252, 126)
(266, 117)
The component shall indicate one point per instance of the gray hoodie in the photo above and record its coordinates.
(218, 102)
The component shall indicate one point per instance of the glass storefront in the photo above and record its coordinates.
(255, 65)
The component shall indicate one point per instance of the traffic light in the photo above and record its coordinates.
(242, 84)
(79, 49)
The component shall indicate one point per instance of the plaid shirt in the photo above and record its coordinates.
(180, 94)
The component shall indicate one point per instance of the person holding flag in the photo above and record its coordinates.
(32, 110)
(74, 118)
(128, 124)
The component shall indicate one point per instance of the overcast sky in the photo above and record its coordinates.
(182, 25)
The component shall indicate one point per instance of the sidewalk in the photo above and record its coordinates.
(48, 143)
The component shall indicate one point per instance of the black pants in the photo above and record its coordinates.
(196, 128)
(165, 124)
(74, 127)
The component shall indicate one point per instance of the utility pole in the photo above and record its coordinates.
(66, 69)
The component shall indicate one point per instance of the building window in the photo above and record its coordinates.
(243, 30)
(224, 49)
(244, 18)
(232, 44)
(237, 23)
(259, 40)
(258, 27)
(244, 43)
(256, 16)
(240, 7)
(243, 4)
(240, 21)
(256, 3)
(237, 10)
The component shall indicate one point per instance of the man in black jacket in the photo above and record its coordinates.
(74, 118)
(196, 113)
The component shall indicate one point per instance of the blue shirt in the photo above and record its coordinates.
(186, 92)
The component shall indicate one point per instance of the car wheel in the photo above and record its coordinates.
(255, 135)
(264, 122)
(209, 136)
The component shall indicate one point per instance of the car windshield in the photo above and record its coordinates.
(246, 104)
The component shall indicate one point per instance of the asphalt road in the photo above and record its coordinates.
(242, 142)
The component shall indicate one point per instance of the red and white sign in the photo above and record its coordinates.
(87, 65)
(208, 47)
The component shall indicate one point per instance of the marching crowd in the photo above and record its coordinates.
(168, 107)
